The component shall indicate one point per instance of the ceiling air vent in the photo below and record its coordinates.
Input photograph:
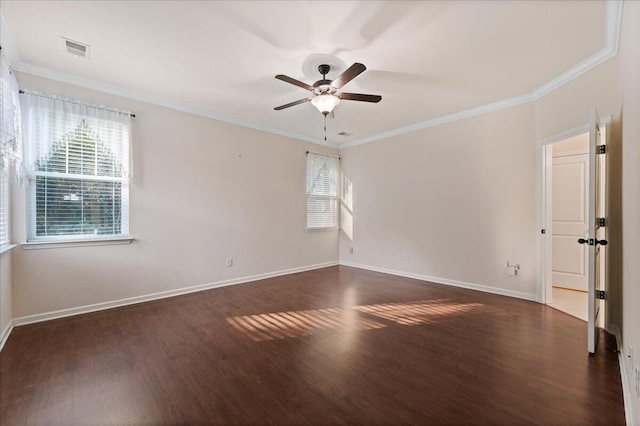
(76, 48)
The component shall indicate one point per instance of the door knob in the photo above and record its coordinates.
(593, 242)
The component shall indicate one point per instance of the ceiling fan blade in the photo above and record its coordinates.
(294, 81)
(352, 72)
(360, 97)
(298, 102)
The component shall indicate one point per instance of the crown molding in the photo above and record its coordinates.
(472, 112)
(613, 18)
(166, 103)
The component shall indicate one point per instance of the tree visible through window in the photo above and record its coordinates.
(75, 204)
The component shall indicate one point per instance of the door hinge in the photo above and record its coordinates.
(600, 294)
(601, 222)
(601, 149)
(542, 231)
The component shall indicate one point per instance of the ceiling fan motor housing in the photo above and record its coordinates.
(324, 87)
(324, 69)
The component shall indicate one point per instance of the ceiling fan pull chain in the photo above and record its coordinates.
(325, 127)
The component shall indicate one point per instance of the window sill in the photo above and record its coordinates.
(329, 228)
(7, 247)
(37, 245)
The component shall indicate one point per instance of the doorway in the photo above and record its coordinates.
(566, 192)
(567, 183)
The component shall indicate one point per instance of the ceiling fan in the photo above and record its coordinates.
(326, 95)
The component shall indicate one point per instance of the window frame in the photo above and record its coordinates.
(335, 198)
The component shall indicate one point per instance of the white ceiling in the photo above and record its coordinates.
(426, 59)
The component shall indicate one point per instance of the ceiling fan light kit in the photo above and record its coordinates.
(325, 103)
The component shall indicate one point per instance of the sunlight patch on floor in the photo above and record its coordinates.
(282, 325)
(422, 312)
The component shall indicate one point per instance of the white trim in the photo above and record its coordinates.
(613, 19)
(5, 334)
(6, 247)
(627, 389)
(153, 100)
(472, 112)
(446, 281)
(49, 244)
(30, 319)
(613, 24)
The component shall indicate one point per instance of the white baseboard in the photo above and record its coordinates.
(5, 334)
(471, 286)
(30, 319)
(626, 386)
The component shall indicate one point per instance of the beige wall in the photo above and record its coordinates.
(459, 199)
(629, 58)
(202, 191)
(578, 144)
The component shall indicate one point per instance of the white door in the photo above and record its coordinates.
(570, 195)
(596, 241)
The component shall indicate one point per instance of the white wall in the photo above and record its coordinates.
(459, 199)
(630, 89)
(202, 191)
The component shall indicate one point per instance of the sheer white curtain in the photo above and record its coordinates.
(78, 167)
(48, 120)
(10, 117)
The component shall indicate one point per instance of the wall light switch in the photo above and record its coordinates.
(229, 262)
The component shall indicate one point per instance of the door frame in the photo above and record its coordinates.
(544, 154)
(545, 163)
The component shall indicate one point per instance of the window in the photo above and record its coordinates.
(322, 191)
(78, 169)
(4, 206)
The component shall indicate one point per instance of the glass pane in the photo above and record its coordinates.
(77, 207)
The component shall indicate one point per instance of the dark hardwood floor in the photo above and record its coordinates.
(332, 346)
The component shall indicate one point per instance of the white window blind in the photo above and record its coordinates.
(322, 191)
(78, 169)
(4, 206)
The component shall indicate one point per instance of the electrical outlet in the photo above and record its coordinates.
(405, 256)
(512, 270)
(229, 262)
(351, 250)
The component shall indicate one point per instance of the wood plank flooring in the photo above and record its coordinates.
(332, 346)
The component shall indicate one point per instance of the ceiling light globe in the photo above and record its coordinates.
(325, 103)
